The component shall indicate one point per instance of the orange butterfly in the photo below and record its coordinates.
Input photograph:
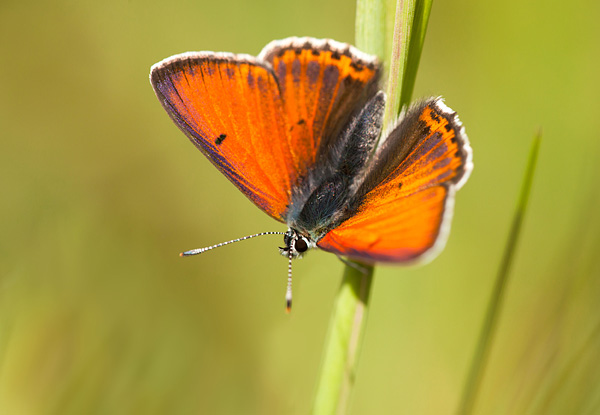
(296, 130)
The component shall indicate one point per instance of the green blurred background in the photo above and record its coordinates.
(100, 192)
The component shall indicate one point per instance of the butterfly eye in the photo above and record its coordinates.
(301, 245)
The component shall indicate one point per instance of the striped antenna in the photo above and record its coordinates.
(208, 248)
(288, 293)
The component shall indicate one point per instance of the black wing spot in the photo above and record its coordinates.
(435, 116)
(357, 67)
(336, 55)
(220, 139)
(315, 52)
(400, 185)
(299, 122)
(447, 127)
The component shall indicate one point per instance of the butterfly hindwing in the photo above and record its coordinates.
(397, 231)
(402, 210)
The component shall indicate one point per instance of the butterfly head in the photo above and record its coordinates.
(296, 244)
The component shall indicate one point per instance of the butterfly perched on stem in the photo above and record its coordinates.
(298, 131)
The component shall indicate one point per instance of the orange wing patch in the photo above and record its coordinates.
(390, 229)
(230, 107)
(322, 84)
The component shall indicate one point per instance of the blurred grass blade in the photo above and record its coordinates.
(488, 330)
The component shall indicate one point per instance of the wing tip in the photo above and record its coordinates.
(463, 139)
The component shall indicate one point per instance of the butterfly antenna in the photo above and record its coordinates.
(288, 293)
(208, 248)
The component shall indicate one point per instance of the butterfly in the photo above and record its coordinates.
(297, 130)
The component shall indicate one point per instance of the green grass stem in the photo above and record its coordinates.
(338, 371)
(422, 9)
(347, 325)
(405, 12)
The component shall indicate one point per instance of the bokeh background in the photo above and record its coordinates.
(100, 192)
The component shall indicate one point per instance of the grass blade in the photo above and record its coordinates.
(405, 11)
(488, 330)
(417, 39)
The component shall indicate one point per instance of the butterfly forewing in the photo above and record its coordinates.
(230, 107)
